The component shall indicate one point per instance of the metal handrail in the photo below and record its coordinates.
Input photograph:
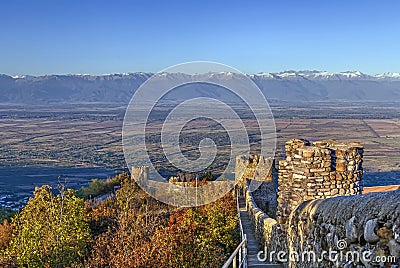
(241, 249)
(238, 210)
(233, 256)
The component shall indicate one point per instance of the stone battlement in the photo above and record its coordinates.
(319, 170)
(320, 203)
(255, 167)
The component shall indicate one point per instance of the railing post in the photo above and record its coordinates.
(234, 262)
(245, 252)
(240, 257)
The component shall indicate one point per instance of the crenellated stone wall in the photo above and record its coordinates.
(321, 210)
(255, 167)
(319, 206)
(261, 170)
(319, 170)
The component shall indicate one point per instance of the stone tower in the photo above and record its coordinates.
(315, 171)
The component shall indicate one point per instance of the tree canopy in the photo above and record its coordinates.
(51, 230)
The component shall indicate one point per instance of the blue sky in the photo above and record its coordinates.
(96, 37)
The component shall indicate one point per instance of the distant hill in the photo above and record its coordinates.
(288, 86)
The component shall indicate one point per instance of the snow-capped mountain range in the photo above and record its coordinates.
(289, 86)
(328, 75)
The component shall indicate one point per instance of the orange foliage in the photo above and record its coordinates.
(135, 230)
(6, 230)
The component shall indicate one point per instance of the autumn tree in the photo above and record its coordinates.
(6, 231)
(198, 237)
(147, 233)
(132, 218)
(51, 230)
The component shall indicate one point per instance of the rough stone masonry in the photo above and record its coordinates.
(317, 171)
(320, 203)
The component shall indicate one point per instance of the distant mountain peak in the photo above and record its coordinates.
(388, 75)
(354, 74)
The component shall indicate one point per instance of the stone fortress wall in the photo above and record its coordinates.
(319, 204)
(316, 171)
(362, 224)
(265, 195)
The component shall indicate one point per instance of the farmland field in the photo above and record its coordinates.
(54, 138)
